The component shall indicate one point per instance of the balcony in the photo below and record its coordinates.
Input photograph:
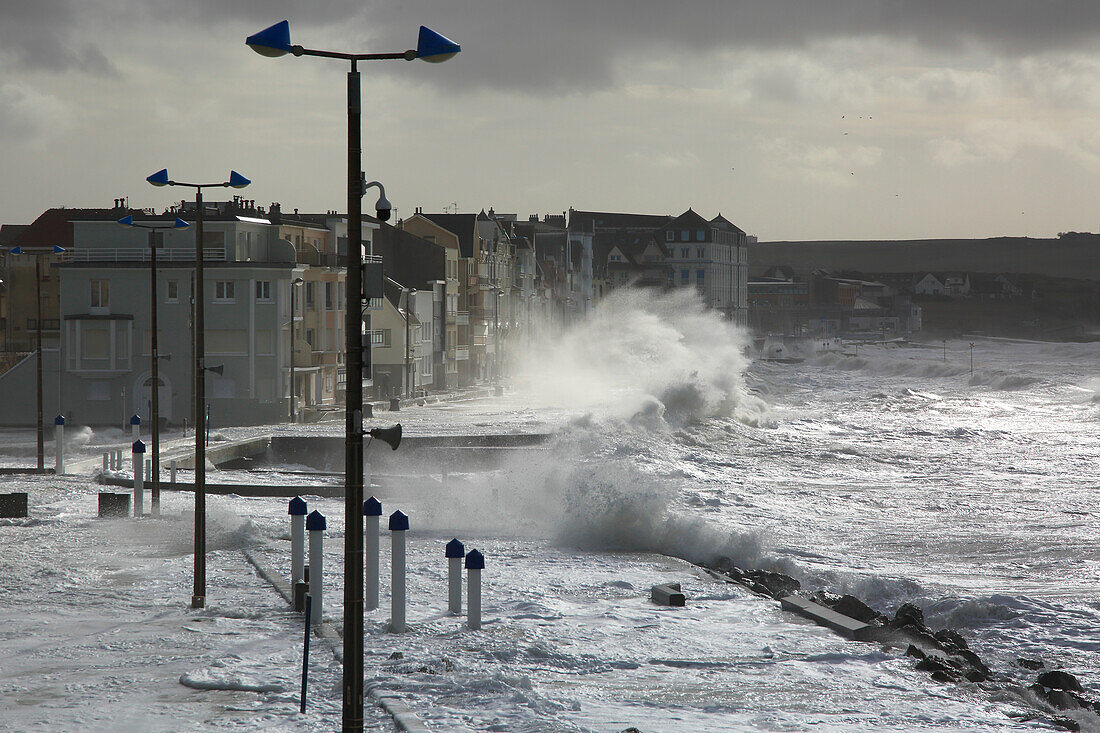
(462, 318)
(462, 353)
(141, 254)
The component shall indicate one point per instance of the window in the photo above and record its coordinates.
(310, 336)
(309, 295)
(173, 295)
(700, 275)
(700, 236)
(685, 236)
(701, 253)
(223, 291)
(684, 253)
(685, 276)
(328, 296)
(263, 290)
(96, 343)
(101, 293)
(226, 341)
(670, 236)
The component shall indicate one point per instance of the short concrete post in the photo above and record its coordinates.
(316, 525)
(59, 444)
(399, 524)
(105, 456)
(455, 552)
(118, 459)
(297, 511)
(172, 469)
(475, 563)
(139, 478)
(372, 511)
(135, 426)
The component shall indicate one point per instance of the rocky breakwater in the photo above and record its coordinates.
(944, 654)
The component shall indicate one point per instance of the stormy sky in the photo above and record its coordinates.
(796, 120)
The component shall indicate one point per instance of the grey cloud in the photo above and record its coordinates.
(565, 45)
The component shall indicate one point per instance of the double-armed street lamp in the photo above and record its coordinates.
(38, 253)
(410, 293)
(236, 180)
(275, 41)
(156, 234)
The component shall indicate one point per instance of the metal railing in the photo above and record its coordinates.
(141, 254)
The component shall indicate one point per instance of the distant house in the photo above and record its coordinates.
(951, 284)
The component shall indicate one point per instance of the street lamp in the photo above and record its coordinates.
(155, 239)
(38, 252)
(497, 292)
(434, 48)
(293, 392)
(409, 293)
(236, 180)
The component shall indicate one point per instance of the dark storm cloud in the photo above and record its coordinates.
(45, 34)
(565, 44)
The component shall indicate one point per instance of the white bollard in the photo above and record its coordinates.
(139, 478)
(105, 462)
(475, 563)
(455, 552)
(135, 426)
(297, 511)
(59, 444)
(372, 510)
(118, 459)
(316, 525)
(173, 470)
(399, 524)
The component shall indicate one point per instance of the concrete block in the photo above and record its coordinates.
(844, 625)
(14, 506)
(668, 594)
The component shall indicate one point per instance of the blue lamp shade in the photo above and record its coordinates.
(58, 250)
(272, 41)
(16, 250)
(434, 48)
(236, 180)
(180, 224)
(126, 221)
(160, 178)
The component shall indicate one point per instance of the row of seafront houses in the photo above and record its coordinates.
(460, 289)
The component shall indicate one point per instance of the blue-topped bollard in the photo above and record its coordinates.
(475, 563)
(138, 449)
(455, 552)
(59, 444)
(316, 525)
(297, 511)
(372, 510)
(399, 524)
(135, 426)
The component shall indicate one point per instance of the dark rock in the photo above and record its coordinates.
(397, 655)
(943, 677)
(915, 651)
(776, 585)
(974, 661)
(1060, 681)
(852, 607)
(951, 639)
(1030, 663)
(920, 634)
(933, 663)
(632, 729)
(909, 614)
(975, 675)
(825, 598)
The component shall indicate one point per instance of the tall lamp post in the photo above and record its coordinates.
(434, 48)
(155, 240)
(497, 292)
(236, 180)
(409, 294)
(38, 253)
(293, 313)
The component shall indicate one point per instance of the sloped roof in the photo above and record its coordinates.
(721, 222)
(55, 227)
(615, 220)
(462, 225)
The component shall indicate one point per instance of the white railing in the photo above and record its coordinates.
(141, 254)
